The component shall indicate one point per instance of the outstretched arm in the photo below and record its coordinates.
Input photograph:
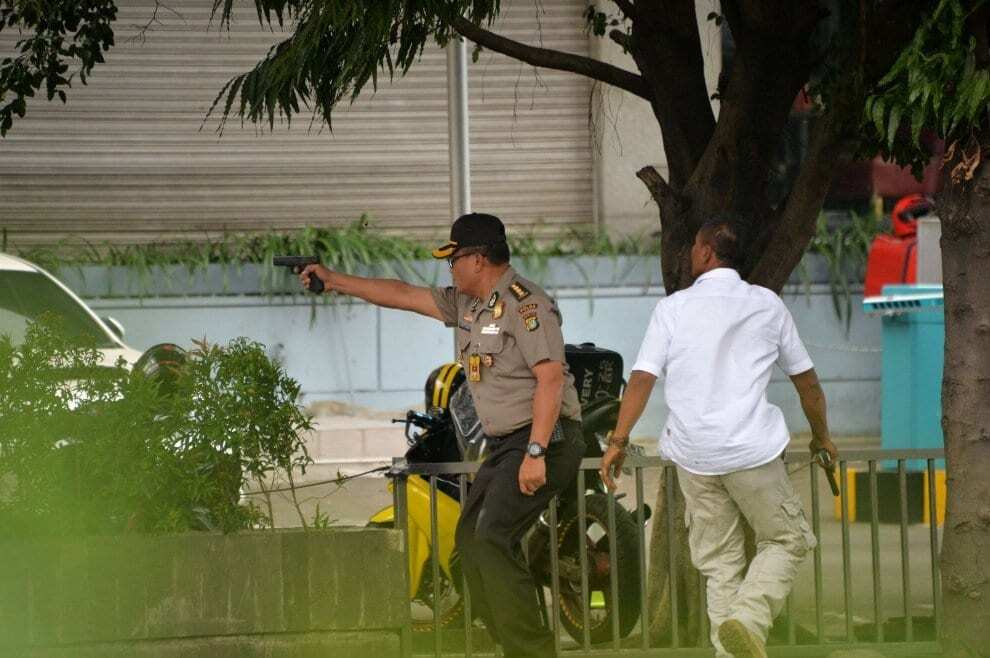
(390, 293)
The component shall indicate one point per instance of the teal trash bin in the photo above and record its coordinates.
(913, 338)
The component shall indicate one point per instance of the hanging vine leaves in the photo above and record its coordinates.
(935, 84)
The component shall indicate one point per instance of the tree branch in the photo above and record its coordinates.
(621, 38)
(660, 190)
(626, 7)
(831, 147)
(675, 229)
(554, 59)
(666, 47)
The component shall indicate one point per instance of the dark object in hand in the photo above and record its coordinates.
(825, 459)
(297, 263)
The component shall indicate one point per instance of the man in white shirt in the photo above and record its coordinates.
(715, 343)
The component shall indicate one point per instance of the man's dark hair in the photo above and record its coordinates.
(726, 236)
(497, 254)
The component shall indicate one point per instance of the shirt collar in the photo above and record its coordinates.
(719, 273)
(502, 285)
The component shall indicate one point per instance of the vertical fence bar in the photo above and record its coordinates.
(705, 631)
(675, 640)
(435, 567)
(905, 552)
(554, 578)
(791, 635)
(641, 543)
(400, 507)
(846, 574)
(933, 538)
(466, 593)
(613, 572)
(582, 542)
(816, 527)
(875, 553)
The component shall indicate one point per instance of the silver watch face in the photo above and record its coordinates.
(535, 450)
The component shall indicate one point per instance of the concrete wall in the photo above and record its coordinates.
(273, 594)
(379, 358)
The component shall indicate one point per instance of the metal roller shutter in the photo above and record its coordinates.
(128, 158)
(531, 156)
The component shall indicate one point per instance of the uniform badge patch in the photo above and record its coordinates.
(488, 360)
(491, 330)
(474, 368)
(527, 308)
(518, 291)
(532, 324)
(493, 299)
(498, 310)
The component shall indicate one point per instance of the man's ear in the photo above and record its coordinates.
(707, 252)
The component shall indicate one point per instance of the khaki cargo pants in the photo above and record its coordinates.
(715, 508)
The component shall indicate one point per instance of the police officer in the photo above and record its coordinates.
(510, 344)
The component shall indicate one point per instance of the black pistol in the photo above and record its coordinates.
(825, 459)
(297, 263)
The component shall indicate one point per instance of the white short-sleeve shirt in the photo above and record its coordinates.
(715, 345)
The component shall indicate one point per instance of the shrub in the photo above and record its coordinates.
(87, 447)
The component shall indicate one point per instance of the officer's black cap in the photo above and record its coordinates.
(472, 230)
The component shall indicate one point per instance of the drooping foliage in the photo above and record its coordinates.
(56, 37)
(335, 49)
(936, 84)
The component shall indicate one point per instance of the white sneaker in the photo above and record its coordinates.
(740, 641)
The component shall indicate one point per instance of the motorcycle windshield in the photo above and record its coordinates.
(467, 426)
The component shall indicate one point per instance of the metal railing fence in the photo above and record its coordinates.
(640, 646)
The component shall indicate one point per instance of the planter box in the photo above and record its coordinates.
(272, 593)
(253, 279)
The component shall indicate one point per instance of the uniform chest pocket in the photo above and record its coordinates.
(491, 344)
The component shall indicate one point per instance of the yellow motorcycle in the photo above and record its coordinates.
(441, 434)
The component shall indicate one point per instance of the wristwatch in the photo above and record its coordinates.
(535, 450)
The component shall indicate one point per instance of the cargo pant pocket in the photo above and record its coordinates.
(794, 514)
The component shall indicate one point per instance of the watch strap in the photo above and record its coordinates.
(534, 449)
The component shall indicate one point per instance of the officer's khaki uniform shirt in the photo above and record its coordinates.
(499, 340)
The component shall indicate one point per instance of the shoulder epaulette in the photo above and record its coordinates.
(518, 291)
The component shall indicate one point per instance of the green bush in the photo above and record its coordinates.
(87, 447)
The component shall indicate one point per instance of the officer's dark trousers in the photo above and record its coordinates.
(493, 521)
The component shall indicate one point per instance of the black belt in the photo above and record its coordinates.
(562, 429)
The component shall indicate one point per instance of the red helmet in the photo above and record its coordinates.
(906, 212)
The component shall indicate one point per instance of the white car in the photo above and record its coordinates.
(27, 291)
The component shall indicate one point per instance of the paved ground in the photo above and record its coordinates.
(351, 443)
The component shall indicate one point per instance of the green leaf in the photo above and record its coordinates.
(878, 116)
(979, 95)
(917, 123)
(893, 125)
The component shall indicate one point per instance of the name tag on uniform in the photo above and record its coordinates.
(491, 329)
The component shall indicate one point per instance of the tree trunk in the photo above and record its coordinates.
(774, 57)
(689, 612)
(965, 558)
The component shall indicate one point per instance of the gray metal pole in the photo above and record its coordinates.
(457, 121)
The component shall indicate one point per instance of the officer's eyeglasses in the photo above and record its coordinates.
(453, 259)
